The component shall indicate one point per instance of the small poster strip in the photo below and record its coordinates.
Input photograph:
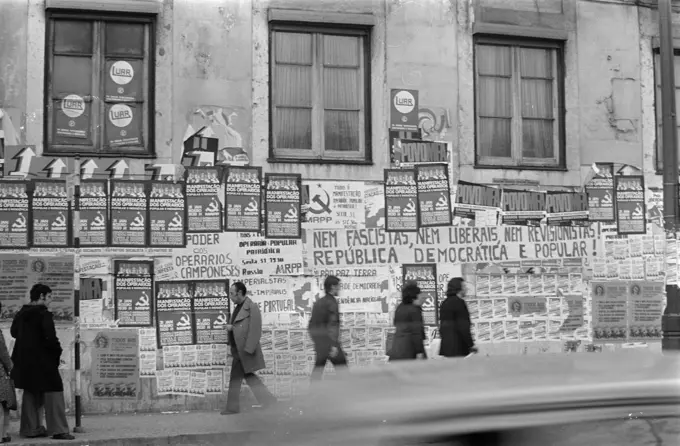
(51, 215)
(93, 204)
(211, 311)
(567, 209)
(631, 216)
(426, 276)
(523, 208)
(174, 308)
(167, 214)
(600, 191)
(472, 198)
(407, 153)
(15, 215)
(204, 209)
(133, 293)
(242, 199)
(283, 203)
(129, 204)
(401, 200)
(434, 195)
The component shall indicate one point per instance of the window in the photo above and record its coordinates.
(319, 93)
(519, 103)
(658, 106)
(99, 85)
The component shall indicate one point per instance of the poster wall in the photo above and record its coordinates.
(133, 293)
(242, 199)
(92, 202)
(115, 365)
(174, 309)
(15, 215)
(51, 215)
(204, 209)
(129, 210)
(283, 206)
(600, 191)
(631, 215)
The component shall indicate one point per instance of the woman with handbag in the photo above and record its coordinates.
(8, 396)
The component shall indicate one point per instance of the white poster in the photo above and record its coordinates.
(207, 256)
(334, 204)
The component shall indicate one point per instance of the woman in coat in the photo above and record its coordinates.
(409, 338)
(454, 322)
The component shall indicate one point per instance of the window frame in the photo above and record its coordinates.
(517, 160)
(658, 131)
(317, 154)
(148, 110)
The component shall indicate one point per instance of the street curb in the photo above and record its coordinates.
(213, 438)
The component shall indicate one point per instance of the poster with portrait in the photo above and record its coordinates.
(129, 204)
(646, 303)
(283, 204)
(211, 311)
(242, 199)
(115, 365)
(631, 215)
(204, 208)
(600, 191)
(610, 311)
(93, 203)
(425, 275)
(401, 200)
(434, 195)
(167, 215)
(15, 215)
(133, 293)
(520, 306)
(174, 308)
(51, 222)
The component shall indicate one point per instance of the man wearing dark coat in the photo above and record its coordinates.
(324, 329)
(36, 357)
(454, 322)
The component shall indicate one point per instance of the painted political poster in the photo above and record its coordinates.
(523, 208)
(133, 293)
(401, 200)
(631, 216)
(425, 275)
(174, 309)
(167, 215)
(434, 195)
(129, 204)
(51, 222)
(15, 215)
(92, 202)
(333, 204)
(600, 191)
(204, 208)
(211, 311)
(283, 206)
(242, 199)
(567, 209)
(115, 365)
(471, 199)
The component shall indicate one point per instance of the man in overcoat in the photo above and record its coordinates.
(245, 330)
(454, 319)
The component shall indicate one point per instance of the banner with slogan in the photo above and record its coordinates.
(283, 206)
(242, 199)
(401, 200)
(129, 210)
(204, 209)
(371, 247)
(284, 299)
(631, 215)
(333, 204)
(610, 311)
(211, 311)
(51, 222)
(269, 257)
(15, 215)
(174, 310)
(600, 192)
(434, 195)
(133, 293)
(207, 257)
(522, 207)
(167, 215)
(364, 294)
(645, 310)
(425, 275)
(115, 365)
(93, 204)
(471, 199)
(567, 208)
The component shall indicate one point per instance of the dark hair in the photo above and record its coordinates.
(330, 282)
(409, 292)
(38, 290)
(240, 287)
(454, 287)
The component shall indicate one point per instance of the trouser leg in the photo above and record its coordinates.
(31, 415)
(55, 413)
(235, 382)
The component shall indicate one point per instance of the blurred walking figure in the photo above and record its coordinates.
(8, 396)
(245, 331)
(409, 338)
(36, 357)
(324, 329)
(454, 322)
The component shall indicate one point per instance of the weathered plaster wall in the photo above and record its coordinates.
(13, 54)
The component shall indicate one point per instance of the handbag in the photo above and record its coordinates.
(12, 397)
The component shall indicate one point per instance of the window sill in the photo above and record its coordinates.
(99, 155)
(319, 161)
(506, 167)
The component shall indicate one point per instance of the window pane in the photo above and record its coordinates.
(341, 88)
(341, 51)
(293, 128)
(495, 137)
(537, 98)
(72, 36)
(342, 131)
(293, 48)
(495, 96)
(537, 138)
(536, 62)
(72, 75)
(125, 38)
(293, 85)
(494, 60)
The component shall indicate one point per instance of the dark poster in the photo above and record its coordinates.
(173, 313)
(523, 208)
(211, 311)
(472, 198)
(283, 203)
(425, 275)
(167, 214)
(51, 215)
(631, 216)
(129, 211)
(401, 200)
(204, 210)
(600, 192)
(407, 152)
(93, 204)
(434, 195)
(243, 195)
(133, 292)
(14, 215)
(567, 209)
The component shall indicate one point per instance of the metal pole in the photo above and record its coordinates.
(76, 299)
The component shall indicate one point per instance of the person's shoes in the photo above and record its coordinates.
(6, 439)
(40, 435)
(229, 412)
(63, 437)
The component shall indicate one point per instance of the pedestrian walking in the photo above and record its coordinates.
(8, 396)
(245, 331)
(409, 337)
(454, 322)
(324, 329)
(36, 357)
